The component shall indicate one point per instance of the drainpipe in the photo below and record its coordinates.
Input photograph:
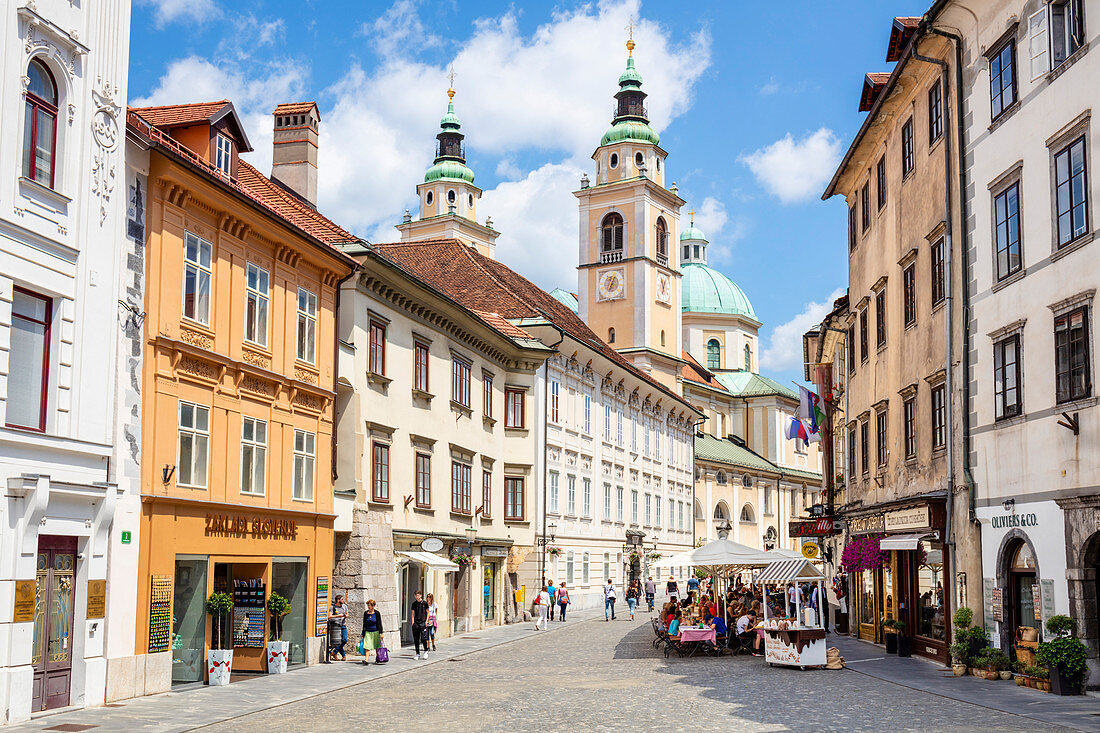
(545, 449)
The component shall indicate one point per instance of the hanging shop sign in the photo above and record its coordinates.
(244, 526)
(869, 524)
(810, 550)
(903, 519)
(97, 599)
(25, 592)
(997, 599)
(431, 544)
(821, 527)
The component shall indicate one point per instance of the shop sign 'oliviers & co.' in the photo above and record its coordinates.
(240, 525)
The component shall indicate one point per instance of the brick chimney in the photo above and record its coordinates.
(294, 159)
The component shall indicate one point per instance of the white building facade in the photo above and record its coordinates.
(62, 277)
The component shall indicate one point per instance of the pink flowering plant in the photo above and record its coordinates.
(463, 559)
(863, 553)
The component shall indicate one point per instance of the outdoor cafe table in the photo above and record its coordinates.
(697, 637)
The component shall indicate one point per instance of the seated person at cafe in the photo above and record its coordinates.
(746, 630)
(674, 625)
(669, 611)
(719, 625)
(689, 600)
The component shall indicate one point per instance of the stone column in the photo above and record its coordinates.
(364, 569)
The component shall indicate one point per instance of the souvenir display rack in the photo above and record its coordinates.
(160, 613)
(248, 613)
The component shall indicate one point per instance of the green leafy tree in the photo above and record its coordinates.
(278, 607)
(218, 605)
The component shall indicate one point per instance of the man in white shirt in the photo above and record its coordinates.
(746, 631)
(609, 601)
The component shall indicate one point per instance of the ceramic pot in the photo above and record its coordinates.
(1063, 685)
(277, 653)
(1006, 675)
(219, 665)
(1020, 681)
(958, 669)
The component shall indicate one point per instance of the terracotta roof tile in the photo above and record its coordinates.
(693, 371)
(294, 108)
(873, 83)
(176, 115)
(503, 325)
(901, 32)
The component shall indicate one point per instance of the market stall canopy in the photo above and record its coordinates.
(785, 571)
(719, 553)
(902, 541)
(435, 562)
(782, 554)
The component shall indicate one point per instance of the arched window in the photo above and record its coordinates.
(662, 240)
(698, 510)
(720, 477)
(720, 511)
(746, 514)
(610, 335)
(748, 358)
(40, 125)
(714, 354)
(612, 234)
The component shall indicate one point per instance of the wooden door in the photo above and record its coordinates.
(55, 596)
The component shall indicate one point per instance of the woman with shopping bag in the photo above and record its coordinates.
(372, 632)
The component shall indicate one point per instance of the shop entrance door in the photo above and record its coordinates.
(52, 648)
(869, 588)
(489, 592)
(1021, 576)
(410, 585)
(189, 619)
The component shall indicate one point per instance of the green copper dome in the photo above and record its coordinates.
(630, 78)
(705, 290)
(450, 170)
(691, 233)
(631, 130)
(450, 120)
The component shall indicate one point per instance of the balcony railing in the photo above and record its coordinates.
(450, 149)
(662, 259)
(627, 109)
(615, 255)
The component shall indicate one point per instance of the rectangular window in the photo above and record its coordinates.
(657, 442)
(1071, 355)
(555, 401)
(680, 515)
(852, 451)
(909, 414)
(197, 273)
(935, 112)
(377, 349)
(880, 180)
(588, 414)
(257, 295)
(850, 337)
(193, 445)
(1006, 228)
(307, 326)
(514, 500)
(907, 148)
(380, 472)
(864, 350)
(586, 503)
(423, 480)
(607, 502)
(570, 494)
(634, 506)
(487, 394)
(224, 155)
(420, 365)
(305, 445)
(880, 317)
(909, 287)
(939, 276)
(253, 455)
(460, 487)
(865, 205)
(515, 411)
(656, 511)
(1038, 43)
(1002, 78)
(880, 437)
(460, 382)
(864, 447)
(486, 493)
(619, 503)
(607, 422)
(1067, 29)
(634, 433)
(1006, 377)
(1071, 192)
(648, 509)
(852, 238)
(554, 487)
(29, 360)
(619, 426)
(939, 417)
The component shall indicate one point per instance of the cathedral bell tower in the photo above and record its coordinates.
(448, 196)
(629, 277)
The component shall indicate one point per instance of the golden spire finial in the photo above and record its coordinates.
(692, 215)
(630, 36)
(451, 79)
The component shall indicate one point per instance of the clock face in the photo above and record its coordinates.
(664, 288)
(610, 284)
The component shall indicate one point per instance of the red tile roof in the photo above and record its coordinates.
(873, 83)
(483, 284)
(177, 115)
(294, 108)
(502, 325)
(900, 34)
(693, 371)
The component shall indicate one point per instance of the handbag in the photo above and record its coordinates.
(381, 655)
(362, 648)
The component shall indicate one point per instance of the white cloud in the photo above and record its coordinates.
(784, 350)
(772, 87)
(794, 170)
(399, 31)
(508, 169)
(711, 217)
(168, 11)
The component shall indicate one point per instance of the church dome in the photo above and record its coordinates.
(631, 130)
(451, 170)
(705, 290)
(692, 234)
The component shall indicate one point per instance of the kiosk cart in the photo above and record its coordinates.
(798, 641)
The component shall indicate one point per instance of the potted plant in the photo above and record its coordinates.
(896, 640)
(277, 649)
(1063, 655)
(463, 559)
(553, 551)
(958, 658)
(997, 664)
(219, 661)
(1018, 668)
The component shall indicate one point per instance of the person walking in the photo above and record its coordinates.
(339, 614)
(650, 592)
(609, 601)
(418, 614)
(671, 587)
(542, 601)
(563, 599)
(433, 621)
(633, 593)
(372, 631)
(693, 583)
(553, 597)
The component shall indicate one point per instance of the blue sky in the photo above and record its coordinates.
(754, 109)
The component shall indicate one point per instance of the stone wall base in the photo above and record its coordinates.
(363, 570)
(138, 675)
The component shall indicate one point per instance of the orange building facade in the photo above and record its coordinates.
(238, 372)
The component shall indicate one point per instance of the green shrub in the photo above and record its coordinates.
(963, 618)
(278, 607)
(219, 605)
(1067, 653)
(1060, 626)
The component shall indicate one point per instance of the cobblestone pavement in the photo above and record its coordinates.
(597, 676)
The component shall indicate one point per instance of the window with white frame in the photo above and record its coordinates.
(307, 325)
(607, 565)
(585, 569)
(197, 274)
(619, 504)
(555, 412)
(619, 428)
(648, 509)
(634, 432)
(607, 502)
(634, 506)
(1055, 32)
(304, 459)
(193, 445)
(607, 422)
(569, 566)
(29, 360)
(656, 511)
(657, 442)
(224, 155)
(257, 295)
(554, 488)
(253, 455)
(587, 414)
(570, 494)
(586, 498)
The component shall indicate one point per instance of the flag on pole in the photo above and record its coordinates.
(810, 409)
(797, 429)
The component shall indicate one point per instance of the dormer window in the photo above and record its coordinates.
(224, 155)
(40, 125)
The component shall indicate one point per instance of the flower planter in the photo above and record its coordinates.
(1046, 685)
(891, 643)
(905, 646)
(1021, 681)
(1005, 675)
(1063, 685)
(958, 669)
(277, 653)
(219, 665)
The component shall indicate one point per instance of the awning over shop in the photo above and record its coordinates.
(785, 571)
(902, 541)
(435, 562)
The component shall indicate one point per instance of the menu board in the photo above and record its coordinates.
(322, 605)
(160, 613)
(998, 604)
(248, 613)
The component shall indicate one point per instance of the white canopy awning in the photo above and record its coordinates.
(718, 554)
(902, 541)
(785, 571)
(433, 561)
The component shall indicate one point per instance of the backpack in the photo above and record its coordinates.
(381, 655)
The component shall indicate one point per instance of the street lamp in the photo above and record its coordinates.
(471, 535)
(543, 541)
